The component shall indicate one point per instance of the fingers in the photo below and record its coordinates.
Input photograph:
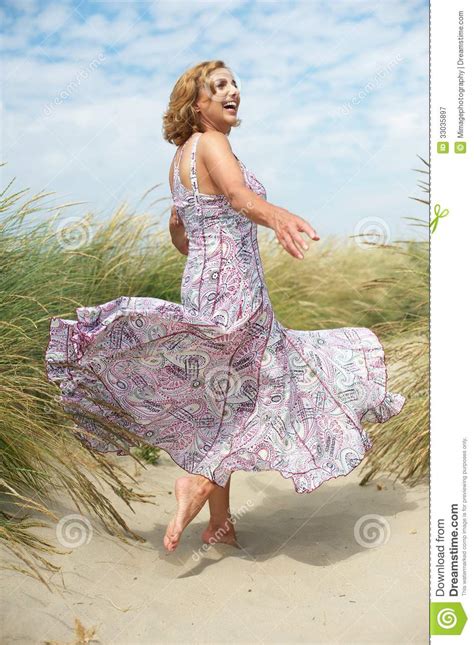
(305, 227)
(175, 219)
(290, 246)
(292, 241)
(300, 241)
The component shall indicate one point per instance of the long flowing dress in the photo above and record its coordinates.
(217, 381)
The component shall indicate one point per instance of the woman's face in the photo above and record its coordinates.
(219, 111)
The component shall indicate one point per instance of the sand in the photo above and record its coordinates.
(301, 576)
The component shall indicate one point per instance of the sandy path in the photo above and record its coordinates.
(300, 577)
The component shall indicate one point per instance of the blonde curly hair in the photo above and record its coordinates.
(181, 120)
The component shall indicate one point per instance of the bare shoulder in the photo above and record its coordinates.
(213, 142)
(220, 164)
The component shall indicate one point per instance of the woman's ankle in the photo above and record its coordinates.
(221, 521)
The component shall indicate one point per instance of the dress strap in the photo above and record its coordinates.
(178, 156)
(193, 175)
(193, 172)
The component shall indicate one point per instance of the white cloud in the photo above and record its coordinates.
(298, 62)
(52, 18)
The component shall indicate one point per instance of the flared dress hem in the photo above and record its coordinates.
(68, 341)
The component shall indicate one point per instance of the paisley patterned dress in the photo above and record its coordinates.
(217, 381)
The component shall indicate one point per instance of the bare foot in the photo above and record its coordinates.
(220, 533)
(191, 494)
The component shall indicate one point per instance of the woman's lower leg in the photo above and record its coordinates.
(221, 527)
(219, 504)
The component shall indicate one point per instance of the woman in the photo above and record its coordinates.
(217, 381)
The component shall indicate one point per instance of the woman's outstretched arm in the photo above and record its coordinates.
(224, 170)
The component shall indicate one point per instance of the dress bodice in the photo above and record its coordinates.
(223, 277)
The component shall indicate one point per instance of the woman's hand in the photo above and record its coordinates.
(287, 227)
(178, 232)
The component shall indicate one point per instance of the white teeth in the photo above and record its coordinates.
(230, 104)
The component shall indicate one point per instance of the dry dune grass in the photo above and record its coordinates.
(52, 263)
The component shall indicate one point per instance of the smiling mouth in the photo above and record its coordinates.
(230, 106)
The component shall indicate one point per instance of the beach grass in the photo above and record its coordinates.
(53, 262)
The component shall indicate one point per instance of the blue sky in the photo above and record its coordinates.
(334, 100)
